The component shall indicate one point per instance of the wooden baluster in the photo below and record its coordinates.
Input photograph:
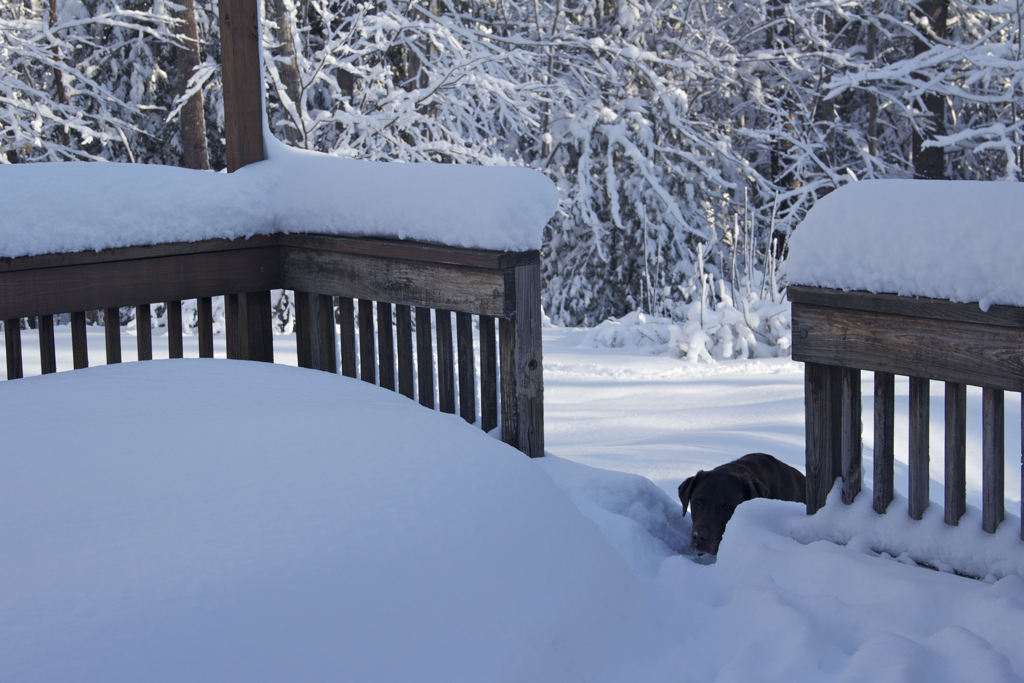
(522, 373)
(851, 433)
(445, 362)
(424, 357)
(112, 334)
(259, 327)
(47, 347)
(205, 327)
(488, 374)
(406, 379)
(819, 426)
(325, 328)
(175, 344)
(885, 412)
(920, 410)
(79, 345)
(993, 452)
(303, 340)
(12, 336)
(956, 452)
(367, 354)
(144, 331)
(233, 326)
(385, 345)
(1022, 466)
(347, 329)
(467, 369)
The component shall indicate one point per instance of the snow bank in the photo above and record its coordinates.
(75, 206)
(288, 525)
(941, 239)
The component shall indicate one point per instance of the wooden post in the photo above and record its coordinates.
(12, 335)
(919, 409)
(112, 334)
(367, 353)
(956, 452)
(406, 379)
(522, 373)
(205, 327)
(325, 326)
(385, 346)
(993, 451)
(424, 357)
(233, 326)
(144, 332)
(885, 412)
(818, 429)
(445, 362)
(47, 348)
(851, 434)
(467, 369)
(303, 334)
(260, 324)
(243, 82)
(347, 329)
(488, 374)
(79, 345)
(175, 344)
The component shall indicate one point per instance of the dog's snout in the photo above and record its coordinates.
(698, 538)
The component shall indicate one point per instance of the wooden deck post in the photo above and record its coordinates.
(920, 414)
(993, 505)
(522, 377)
(12, 335)
(884, 460)
(243, 82)
(956, 452)
(851, 434)
(819, 427)
(47, 348)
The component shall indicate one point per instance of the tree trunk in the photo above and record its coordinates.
(872, 46)
(930, 162)
(192, 118)
(288, 70)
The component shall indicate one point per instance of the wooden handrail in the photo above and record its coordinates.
(319, 268)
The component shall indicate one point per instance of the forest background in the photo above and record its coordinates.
(687, 137)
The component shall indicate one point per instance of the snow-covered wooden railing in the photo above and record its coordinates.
(932, 242)
(327, 273)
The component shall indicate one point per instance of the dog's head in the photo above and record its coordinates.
(713, 497)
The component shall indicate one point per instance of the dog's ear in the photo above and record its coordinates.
(755, 487)
(685, 489)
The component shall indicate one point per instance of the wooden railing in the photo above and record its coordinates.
(327, 273)
(837, 334)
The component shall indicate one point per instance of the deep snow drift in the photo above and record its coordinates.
(501, 208)
(953, 240)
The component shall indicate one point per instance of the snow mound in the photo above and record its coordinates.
(288, 525)
(107, 205)
(931, 238)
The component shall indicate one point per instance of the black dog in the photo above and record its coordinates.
(714, 495)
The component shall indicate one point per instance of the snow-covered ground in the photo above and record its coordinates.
(142, 542)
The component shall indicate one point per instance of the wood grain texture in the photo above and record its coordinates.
(884, 455)
(467, 366)
(175, 342)
(325, 328)
(965, 353)
(144, 332)
(424, 358)
(112, 334)
(260, 327)
(919, 409)
(125, 283)
(488, 374)
(445, 362)
(906, 306)
(79, 345)
(993, 437)
(406, 373)
(403, 250)
(12, 337)
(956, 452)
(818, 435)
(528, 363)
(233, 325)
(509, 405)
(412, 283)
(367, 352)
(242, 82)
(47, 347)
(851, 433)
(205, 321)
(347, 332)
(303, 335)
(385, 345)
